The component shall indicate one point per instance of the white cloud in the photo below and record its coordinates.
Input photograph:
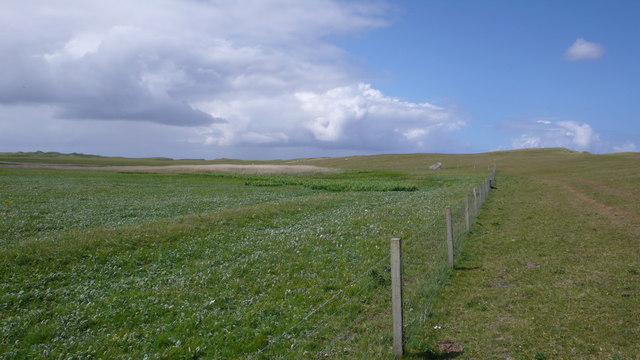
(569, 134)
(626, 147)
(584, 50)
(77, 47)
(228, 74)
(414, 134)
(344, 112)
(581, 135)
(348, 117)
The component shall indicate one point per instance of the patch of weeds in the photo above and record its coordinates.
(40, 334)
(381, 278)
(330, 184)
(540, 356)
(471, 303)
(359, 180)
(480, 305)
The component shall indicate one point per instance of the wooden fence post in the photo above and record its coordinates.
(486, 188)
(450, 238)
(396, 297)
(475, 203)
(467, 218)
(484, 191)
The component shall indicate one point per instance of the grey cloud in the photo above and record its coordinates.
(150, 61)
(228, 73)
(127, 77)
(168, 112)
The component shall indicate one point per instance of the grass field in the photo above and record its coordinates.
(119, 265)
(204, 265)
(552, 269)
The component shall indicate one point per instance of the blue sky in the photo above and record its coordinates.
(502, 63)
(284, 79)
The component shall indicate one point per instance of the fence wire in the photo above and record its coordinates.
(346, 314)
(426, 267)
(296, 334)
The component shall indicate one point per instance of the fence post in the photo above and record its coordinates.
(467, 219)
(450, 237)
(484, 191)
(475, 203)
(484, 184)
(396, 297)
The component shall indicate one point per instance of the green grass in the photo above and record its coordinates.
(107, 264)
(116, 265)
(551, 268)
(345, 181)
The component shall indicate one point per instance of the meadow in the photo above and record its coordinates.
(206, 265)
(242, 266)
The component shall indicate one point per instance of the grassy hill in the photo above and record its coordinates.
(112, 264)
(552, 267)
(108, 264)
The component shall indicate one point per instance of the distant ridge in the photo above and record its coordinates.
(561, 150)
(48, 154)
(55, 157)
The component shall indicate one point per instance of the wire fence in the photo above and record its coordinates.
(349, 324)
(425, 263)
(301, 340)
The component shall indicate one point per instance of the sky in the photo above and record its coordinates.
(282, 79)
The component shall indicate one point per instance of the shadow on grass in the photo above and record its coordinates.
(467, 268)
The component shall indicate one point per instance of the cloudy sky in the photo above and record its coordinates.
(259, 79)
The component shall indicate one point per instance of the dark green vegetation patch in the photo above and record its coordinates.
(338, 182)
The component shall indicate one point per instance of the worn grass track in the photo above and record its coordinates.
(552, 268)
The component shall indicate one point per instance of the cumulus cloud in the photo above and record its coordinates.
(343, 113)
(347, 117)
(584, 50)
(545, 133)
(235, 74)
